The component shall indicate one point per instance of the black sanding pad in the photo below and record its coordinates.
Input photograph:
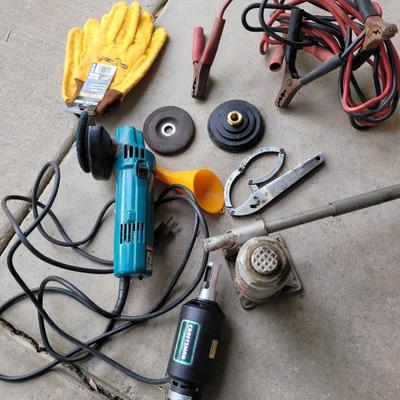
(101, 152)
(95, 148)
(81, 142)
(235, 126)
(168, 130)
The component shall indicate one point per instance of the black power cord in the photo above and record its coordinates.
(91, 347)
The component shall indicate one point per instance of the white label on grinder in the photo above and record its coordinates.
(177, 396)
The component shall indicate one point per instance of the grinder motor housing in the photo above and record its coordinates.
(134, 168)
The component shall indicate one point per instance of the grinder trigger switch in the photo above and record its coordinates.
(142, 170)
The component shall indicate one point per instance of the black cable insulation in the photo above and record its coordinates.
(36, 295)
(363, 114)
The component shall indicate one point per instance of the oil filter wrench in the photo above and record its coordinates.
(262, 195)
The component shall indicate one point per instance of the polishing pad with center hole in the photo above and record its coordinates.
(168, 130)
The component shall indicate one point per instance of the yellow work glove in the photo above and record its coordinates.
(125, 38)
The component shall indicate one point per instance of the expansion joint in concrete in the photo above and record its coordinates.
(86, 379)
(89, 382)
(17, 332)
(24, 211)
(159, 9)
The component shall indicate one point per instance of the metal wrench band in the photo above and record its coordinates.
(270, 191)
(254, 182)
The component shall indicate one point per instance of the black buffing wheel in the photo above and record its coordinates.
(81, 142)
(101, 151)
(168, 130)
(235, 126)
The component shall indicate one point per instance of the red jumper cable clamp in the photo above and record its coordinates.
(203, 55)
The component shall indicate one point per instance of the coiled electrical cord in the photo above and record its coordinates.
(36, 295)
(330, 35)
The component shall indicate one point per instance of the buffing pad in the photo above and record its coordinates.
(81, 141)
(235, 126)
(168, 130)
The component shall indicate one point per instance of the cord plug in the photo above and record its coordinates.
(165, 230)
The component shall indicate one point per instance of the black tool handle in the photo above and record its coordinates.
(296, 17)
(194, 351)
(366, 8)
(362, 57)
(323, 69)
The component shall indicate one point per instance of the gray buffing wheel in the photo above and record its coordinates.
(168, 130)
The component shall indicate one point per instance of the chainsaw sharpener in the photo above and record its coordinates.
(134, 169)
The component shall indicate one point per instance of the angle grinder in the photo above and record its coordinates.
(134, 167)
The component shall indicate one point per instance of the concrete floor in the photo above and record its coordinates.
(338, 340)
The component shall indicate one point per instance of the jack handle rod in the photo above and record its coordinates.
(238, 236)
(336, 208)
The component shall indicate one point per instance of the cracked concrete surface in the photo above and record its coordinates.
(59, 383)
(26, 343)
(338, 340)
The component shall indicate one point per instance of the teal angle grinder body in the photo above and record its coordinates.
(134, 169)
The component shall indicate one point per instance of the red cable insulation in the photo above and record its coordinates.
(342, 11)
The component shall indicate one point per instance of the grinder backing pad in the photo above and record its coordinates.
(168, 130)
(81, 141)
(235, 126)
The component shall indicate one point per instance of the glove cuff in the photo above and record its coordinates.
(79, 83)
(110, 97)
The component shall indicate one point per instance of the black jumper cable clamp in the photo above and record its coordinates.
(292, 82)
(376, 32)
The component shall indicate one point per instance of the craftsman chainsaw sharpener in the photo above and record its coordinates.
(134, 168)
